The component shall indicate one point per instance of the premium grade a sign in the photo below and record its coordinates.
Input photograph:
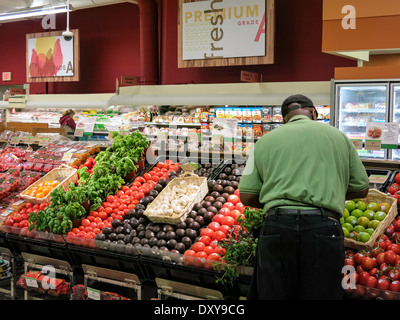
(223, 29)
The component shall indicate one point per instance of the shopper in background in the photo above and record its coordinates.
(67, 121)
(301, 174)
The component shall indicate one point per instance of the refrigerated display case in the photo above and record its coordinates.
(356, 104)
(395, 97)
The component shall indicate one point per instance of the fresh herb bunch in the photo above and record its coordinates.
(107, 177)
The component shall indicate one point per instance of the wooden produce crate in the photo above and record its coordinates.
(65, 174)
(174, 218)
(379, 197)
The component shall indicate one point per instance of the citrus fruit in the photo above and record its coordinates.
(369, 214)
(359, 229)
(361, 205)
(373, 224)
(347, 226)
(346, 232)
(373, 206)
(384, 207)
(350, 205)
(363, 221)
(357, 213)
(353, 235)
(346, 213)
(379, 215)
(363, 236)
(351, 220)
(341, 220)
(369, 230)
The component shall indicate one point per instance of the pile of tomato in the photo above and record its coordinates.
(118, 205)
(17, 222)
(377, 271)
(225, 223)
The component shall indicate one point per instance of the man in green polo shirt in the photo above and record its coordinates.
(301, 174)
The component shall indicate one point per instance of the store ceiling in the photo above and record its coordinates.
(13, 5)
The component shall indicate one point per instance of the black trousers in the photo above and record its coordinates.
(300, 255)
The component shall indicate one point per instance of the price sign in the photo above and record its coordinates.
(31, 282)
(28, 139)
(15, 140)
(93, 293)
(358, 143)
(79, 132)
(43, 141)
(162, 136)
(373, 145)
(67, 156)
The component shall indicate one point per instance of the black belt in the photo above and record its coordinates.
(302, 212)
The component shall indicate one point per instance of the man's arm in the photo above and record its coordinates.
(357, 194)
(251, 200)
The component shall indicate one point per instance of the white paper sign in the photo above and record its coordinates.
(223, 29)
(386, 133)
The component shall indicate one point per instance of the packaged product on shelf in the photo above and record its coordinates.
(248, 131)
(256, 114)
(204, 116)
(238, 146)
(247, 116)
(211, 114)
(238, 114)
(257, 131)
(275, 125)
(266, 128)
(229, 113)
(276, 114)
(239, 131)
(220, 113)
(266, 114)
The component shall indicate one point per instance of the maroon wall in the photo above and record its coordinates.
(110, 47)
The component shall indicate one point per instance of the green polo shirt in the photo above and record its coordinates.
(303, 163)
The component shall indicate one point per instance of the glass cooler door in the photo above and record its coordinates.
(358, 104)
(396, 114)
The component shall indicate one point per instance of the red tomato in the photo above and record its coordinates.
(201, 254)
(205, 239)
(85, 222)
(28, 205)
(240, 206)
(90, 218)
(106, 204)
(225, 211)
(218, 218)
(235, 214)
(214, 225)
(160, 164)
(214, 256)
(147, 176)
(198, 246)
(237, 192)
(139, 195)
(233, 198)
(228, 221)
(124, 188)
(228, 205)
(100, 225)
(208, 250)
(136, 184)
(102, 215)
(219, 235)
(110, 198)
(206, 232)
(224, 228)
(140, 179)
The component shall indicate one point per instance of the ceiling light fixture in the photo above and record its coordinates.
(34, 12)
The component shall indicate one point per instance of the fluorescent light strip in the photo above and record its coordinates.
(33, 13)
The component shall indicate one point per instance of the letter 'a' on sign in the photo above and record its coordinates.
(349, 20)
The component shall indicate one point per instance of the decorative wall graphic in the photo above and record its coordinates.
(51, 58)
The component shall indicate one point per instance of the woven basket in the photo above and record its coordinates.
(177, 217)
(63, 173)
(379, 197)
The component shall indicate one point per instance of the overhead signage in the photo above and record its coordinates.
(223, 29)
